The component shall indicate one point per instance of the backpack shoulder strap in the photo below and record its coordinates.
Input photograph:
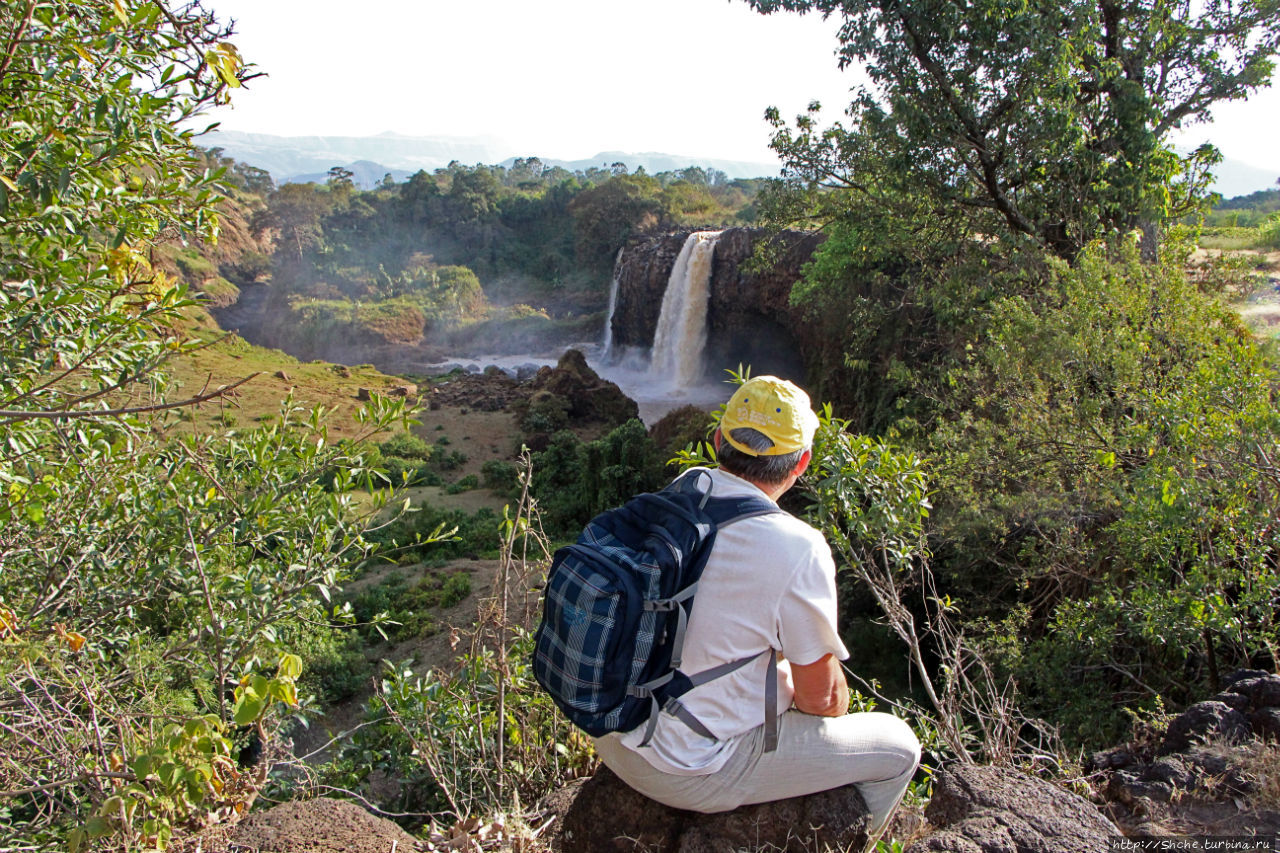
(721, 511)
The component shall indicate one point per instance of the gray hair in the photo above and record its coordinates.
(769, 470)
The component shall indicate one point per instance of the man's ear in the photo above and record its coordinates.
(803, 464)
(715, 440)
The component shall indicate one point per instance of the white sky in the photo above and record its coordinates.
(570, 78)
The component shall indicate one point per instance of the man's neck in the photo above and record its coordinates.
(772, 490)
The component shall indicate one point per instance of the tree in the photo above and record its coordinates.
(144, 575)
(339, 182)
(251, 178)
(1047, 122)
(607, 214)
(297, 210)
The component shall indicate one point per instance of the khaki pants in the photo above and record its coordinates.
(877, 752)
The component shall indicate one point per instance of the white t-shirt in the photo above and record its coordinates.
(770, 581)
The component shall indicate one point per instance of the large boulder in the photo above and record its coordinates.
(997, 810)
(604, 815)
(1261, 689)
(587, 398)
(1203, 722)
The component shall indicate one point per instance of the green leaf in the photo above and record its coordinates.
(290, 667)
(248, 707)
(98, 827)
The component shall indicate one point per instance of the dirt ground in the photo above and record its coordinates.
(436, 650)
(1260, 308)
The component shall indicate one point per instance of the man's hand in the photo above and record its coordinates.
(820, 687)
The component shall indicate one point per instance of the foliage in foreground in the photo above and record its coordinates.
(147, 580)
(1044, 125)
(1100, 438)
(1003, 291)
(480, 737)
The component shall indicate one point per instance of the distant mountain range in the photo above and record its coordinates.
(309, 158)
(298, 159)
(1234, 178)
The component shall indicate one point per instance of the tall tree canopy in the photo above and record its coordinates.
(147, 574)
(1046, 121)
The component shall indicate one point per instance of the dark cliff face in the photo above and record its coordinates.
(749, 320)
(642, 272)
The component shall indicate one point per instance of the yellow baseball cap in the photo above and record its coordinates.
(774, 407)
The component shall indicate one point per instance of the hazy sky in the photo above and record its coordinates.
(570, 78)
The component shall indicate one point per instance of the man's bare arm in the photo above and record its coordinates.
(820, 687)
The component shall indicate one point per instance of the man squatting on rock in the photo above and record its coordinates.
(769, 582)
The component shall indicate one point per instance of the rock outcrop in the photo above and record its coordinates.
(603, 814)
(994, 809)
(261, 315)
(750, 318)
(1210, 762)
(586, 397)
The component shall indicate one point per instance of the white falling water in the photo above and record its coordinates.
(682, 325)
(607, 346)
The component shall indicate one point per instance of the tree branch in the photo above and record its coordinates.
(11, 416)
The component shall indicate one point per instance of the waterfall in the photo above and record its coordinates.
(682, 324)
(607, 346)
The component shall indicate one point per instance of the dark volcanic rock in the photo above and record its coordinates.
(750, 319)
(642, 272)
(998, 810)
(603, 815)
(1204, 721)
(1266, 723)
(1262, 691)
(1206, 773)
(1241, 674)
(588, 397)
(1237, 701)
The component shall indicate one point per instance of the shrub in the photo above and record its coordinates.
(409, 472)
(1104, 468)
(544, 412)
(334, 667)
(464, 484)
(406, 445)
(475, 533)
(1269, 232)
(450, 461)
(498, 475)
(409, 607)
(574, 480)
(680, 428)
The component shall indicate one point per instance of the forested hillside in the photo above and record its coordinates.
(526, 250)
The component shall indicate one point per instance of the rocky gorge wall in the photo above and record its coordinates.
(750, 319)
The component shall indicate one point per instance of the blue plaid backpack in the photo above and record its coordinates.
(617, 603)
